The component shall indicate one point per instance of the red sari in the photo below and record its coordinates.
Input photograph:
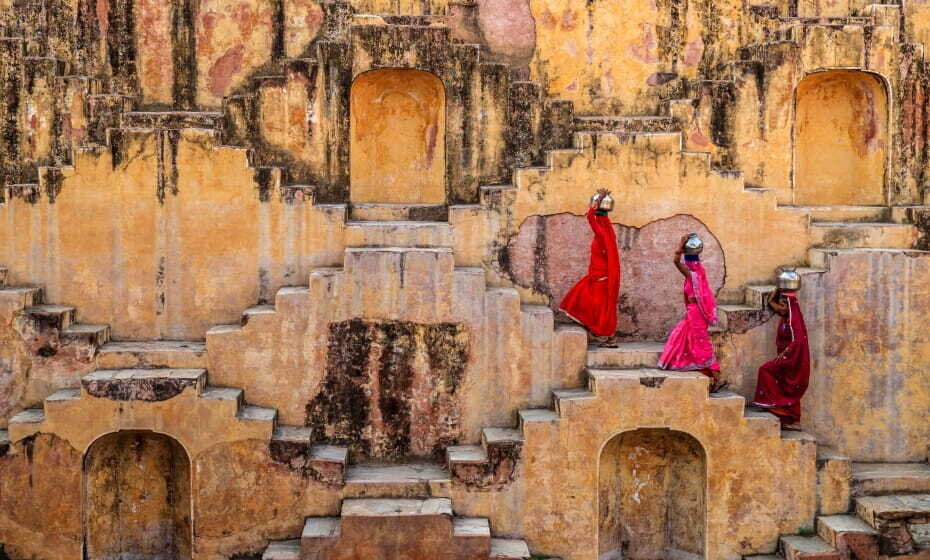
(593, 300)
(783, 381)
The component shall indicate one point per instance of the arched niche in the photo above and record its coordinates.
(137, 498)
(397, 149)
(840, 139)
(651, 496)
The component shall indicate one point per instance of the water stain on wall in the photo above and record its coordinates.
(390, 389)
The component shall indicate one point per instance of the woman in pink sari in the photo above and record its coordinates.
(689, 347)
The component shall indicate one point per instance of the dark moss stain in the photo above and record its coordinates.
(921, 220)
(264, 182)
(652, 382)
(160, 273)
(52, 179)
(372, 389)
(121, 46)
(293, 454)
(265, 296)
(494, 474)
(184, 52)
(166, 181)
(153, 389)
(115, 138)
(395, 375)
(524, 125)
(278, 25)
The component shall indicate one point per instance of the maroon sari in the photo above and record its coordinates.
(783, 381)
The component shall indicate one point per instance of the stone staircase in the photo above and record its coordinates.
(156, 395)
(889, 517)
(381, 528)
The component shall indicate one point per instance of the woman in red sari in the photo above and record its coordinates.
(593, 300)
(783, 381)
(689, 347)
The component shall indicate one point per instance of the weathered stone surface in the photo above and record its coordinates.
(45, 521)
(138, 496)
(142, 384)
(550, 254)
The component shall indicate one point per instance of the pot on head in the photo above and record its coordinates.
(788, 279)
(606, 204)
(693, 245)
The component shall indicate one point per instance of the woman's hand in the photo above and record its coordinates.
(681, 245)
(778, 303)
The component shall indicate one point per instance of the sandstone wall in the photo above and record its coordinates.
(868, 391)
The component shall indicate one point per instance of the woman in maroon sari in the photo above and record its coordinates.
(593, 300)
(783, 381)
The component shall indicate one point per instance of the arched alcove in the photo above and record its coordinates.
(137, 498)
(651, 496)
(397, 137)
(840, 139)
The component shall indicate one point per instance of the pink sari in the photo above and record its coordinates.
(689, 347)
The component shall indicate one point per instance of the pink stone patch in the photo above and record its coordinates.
(550, 254)
(509, 29)
(223, 70)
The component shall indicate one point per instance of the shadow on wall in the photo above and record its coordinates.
(550, 253)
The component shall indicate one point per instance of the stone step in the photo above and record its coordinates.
(565, 399)
(626, 355)
(841, 213)
(95, 335)
(234, 397)
(28, 416)
(491, 437)
(471, 527)
(151, 385)
(509, 549)
(875, 479)
(845, 532)
(318, 535)
(153, 354)
(51, 316)
(532, 416)
(903, 521)
(849, 235)
(25, 423)
(171, 119)
(766, 422)
(283, 550)
(757, 295)
(368, 212)
(648, 377)
(398, 234)
(390, 507)
(881, 511)
(471, 537)
(413, 480)
(23, 296)
(250, 413)
(807, 548)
